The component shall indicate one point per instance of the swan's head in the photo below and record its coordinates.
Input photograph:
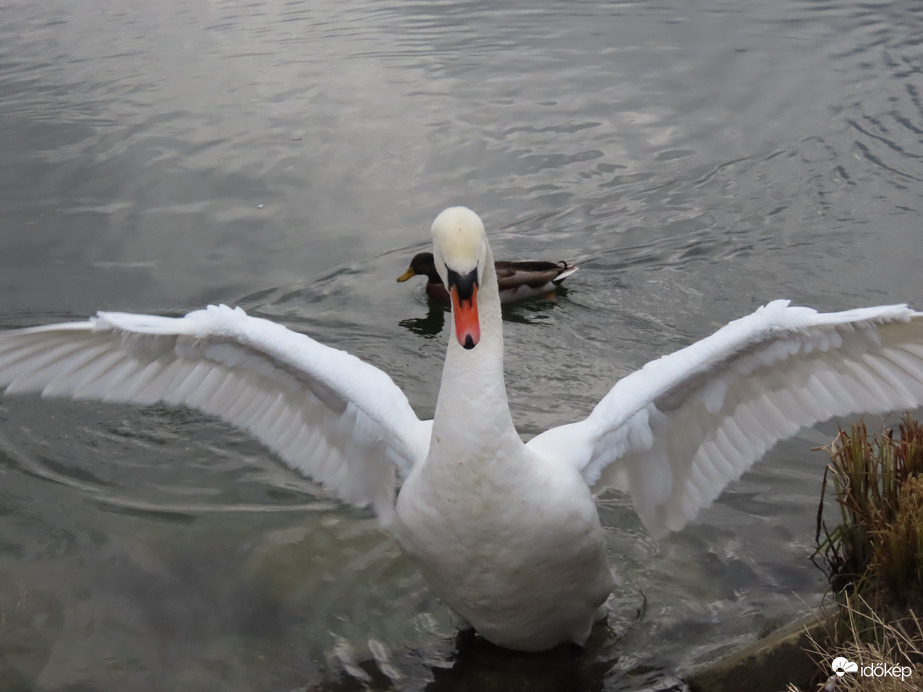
(460, 253)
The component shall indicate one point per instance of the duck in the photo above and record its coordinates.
(516, 280)
(504, 531)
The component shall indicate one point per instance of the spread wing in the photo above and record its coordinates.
(326, 413)
(676, 432)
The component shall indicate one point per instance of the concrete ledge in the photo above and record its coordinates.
(769, 664)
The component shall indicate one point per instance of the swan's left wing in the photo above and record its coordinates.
(326, 413)
(676, 432)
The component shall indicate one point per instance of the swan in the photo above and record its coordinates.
(506, 533)
(516, 280)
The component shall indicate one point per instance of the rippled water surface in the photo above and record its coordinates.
(697, 157)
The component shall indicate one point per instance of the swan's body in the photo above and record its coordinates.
(500, 533)
(506, 533)
(516, 280)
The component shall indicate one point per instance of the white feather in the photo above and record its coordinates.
(281, 386)
(686, 425)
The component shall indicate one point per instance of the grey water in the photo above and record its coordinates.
(696, 157)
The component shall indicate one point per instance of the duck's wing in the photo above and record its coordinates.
(512, 275)
(326, 413)
(676, 432)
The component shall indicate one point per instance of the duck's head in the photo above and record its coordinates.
(422, 264)
(460, 254)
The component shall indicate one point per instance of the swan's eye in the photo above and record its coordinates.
(464, 284)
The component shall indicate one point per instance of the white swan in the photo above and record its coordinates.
(506, 533)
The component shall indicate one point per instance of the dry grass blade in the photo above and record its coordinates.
(874, 558)
(877, 548)
(888, 652)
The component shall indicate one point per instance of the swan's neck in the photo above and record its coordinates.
(472, 412)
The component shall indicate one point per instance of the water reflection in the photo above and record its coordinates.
(478, 665)
(469, 662)
(534, 310)
(428, 327)
(528, 311)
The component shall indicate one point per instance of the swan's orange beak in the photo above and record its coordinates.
(464, 292)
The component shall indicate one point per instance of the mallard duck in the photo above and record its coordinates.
(516, 280)
(505, 532)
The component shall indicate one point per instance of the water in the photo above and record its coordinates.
(698, 158)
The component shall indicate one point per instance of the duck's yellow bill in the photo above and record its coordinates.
(409, 274)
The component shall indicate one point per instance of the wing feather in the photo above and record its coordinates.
(675, 433)
(326, 413)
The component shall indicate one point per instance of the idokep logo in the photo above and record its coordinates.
(841, 666)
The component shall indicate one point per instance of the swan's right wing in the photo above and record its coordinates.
(327, 414)
(676, 432)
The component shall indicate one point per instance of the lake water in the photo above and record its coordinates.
(697, 158)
